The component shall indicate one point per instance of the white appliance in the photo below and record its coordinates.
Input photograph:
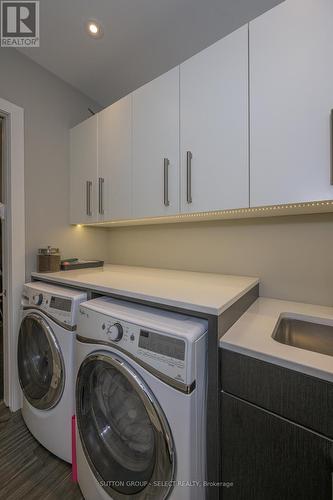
(46, 364)
(140, 402)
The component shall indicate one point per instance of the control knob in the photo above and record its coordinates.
(38, 299)
(115, 332)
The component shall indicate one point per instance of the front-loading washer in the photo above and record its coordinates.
(140, 402)
(46, 364)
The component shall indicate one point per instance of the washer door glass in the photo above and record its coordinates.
(40, 364)
(123, 431)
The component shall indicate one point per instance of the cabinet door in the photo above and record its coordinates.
(269, 458)
(156, 147)
(83, 172)
(291, 88)
(114, 160)
(214, 126)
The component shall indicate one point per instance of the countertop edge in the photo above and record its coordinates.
(214, 311)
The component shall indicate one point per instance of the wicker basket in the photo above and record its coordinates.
(48, 260)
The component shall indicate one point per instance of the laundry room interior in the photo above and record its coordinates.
(166, 274)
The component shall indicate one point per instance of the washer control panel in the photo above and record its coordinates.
(58, 303)
(163, 340)
(165, 352)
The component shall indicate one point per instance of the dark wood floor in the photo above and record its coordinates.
(27, 470)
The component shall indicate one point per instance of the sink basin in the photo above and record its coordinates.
(305, 335)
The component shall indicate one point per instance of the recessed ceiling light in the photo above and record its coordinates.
(94, 29)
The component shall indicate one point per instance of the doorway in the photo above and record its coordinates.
(12, 267)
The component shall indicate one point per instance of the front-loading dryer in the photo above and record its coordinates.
(46, 364)
(140, 402)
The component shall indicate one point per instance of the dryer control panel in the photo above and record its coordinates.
(165, 341)
(59, 303)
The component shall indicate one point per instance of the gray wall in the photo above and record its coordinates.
(51, 108)
(292, 256)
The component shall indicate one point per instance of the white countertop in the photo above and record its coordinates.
(202, 292)
(252, 335)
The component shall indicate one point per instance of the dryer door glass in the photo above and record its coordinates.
(123, 431)
(40, 363)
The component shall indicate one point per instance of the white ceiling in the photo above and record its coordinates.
(142, 39)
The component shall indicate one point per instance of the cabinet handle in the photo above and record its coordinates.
(189, 176)
(88, 198)
(101, 195)
(331, 124)
(166, 182)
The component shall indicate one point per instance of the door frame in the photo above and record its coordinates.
(13, 236)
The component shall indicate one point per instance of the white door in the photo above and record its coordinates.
(114, 160)
(83, 172)
(291, 85)
(214, 126)
(156, 147)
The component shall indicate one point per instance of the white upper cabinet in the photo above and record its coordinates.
(214, 126)
(291, 88)
(155, 160)
(192, 141)
(83, 172)
(114, 160)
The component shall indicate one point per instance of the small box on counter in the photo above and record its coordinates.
(48, 260)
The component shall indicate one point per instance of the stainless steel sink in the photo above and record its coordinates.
(305, 335)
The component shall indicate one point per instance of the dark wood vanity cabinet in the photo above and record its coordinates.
(265, 454)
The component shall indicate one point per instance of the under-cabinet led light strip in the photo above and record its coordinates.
(274, 210)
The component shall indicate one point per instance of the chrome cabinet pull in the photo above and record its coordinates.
(166, 182)
(101, 195)
(331, 124)
(189, 176)
(88, 198)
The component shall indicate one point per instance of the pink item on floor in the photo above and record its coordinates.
(74, 462)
